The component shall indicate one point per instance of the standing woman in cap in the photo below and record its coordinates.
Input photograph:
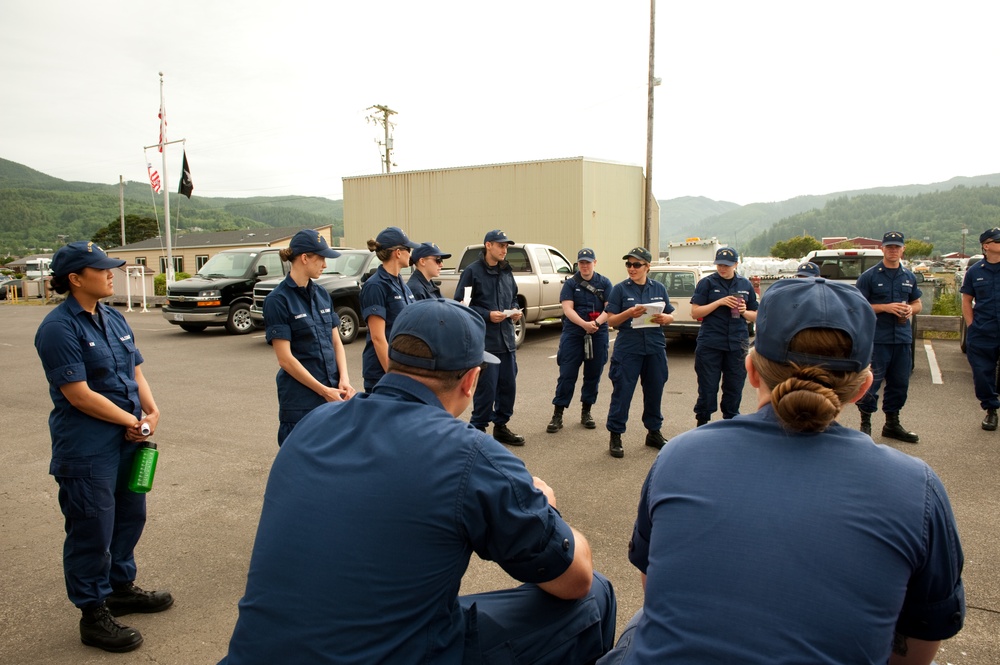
(784, 537)
(725, 302)
(493, 294)
(895, 298)
(807, 269)
(584, 339)
(426, 261)
(304, 331)
(383, 297)
(99, 396)
(640, 353)
(981, 311)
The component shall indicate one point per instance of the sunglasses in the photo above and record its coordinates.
(636, 265)
(439, 261)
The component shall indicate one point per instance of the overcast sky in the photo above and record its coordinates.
(760, 101)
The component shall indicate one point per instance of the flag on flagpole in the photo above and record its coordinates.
(187, 185)
(163, 126)
(154, 178)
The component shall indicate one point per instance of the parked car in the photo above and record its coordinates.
(680, 281)
(11, 285)
(342, 279)
(221, 292)
(539, 271)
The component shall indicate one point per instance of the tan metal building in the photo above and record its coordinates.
(567, 203)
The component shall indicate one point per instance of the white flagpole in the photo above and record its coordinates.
(164, 180)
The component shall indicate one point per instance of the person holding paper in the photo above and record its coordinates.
(640, 349)
(493, 295)
(725, 302)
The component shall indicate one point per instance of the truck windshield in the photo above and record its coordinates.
(228, 264)
(347, 263)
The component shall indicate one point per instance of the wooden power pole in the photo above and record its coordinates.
(383, 120)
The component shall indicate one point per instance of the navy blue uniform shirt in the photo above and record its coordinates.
(304, 316)
(982, 282)
(584, 302)
(385, 296)
(880, 286)
(421, 287)
(626, 294)
(99, 349)
(719, 330)
(493, 290)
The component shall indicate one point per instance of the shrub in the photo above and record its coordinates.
(160, 282)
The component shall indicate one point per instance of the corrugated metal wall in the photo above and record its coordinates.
(566, 203)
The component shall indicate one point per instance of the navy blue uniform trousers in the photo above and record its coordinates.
(626, 369)
(494, 398)
(712, 366)
(890, 363)
(104, 520)
(570, 357)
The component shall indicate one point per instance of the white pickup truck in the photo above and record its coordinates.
(539, 271)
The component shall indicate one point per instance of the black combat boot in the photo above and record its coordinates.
(586, 419)
(699, 421)
(503, 434)
(556, 423)
(990, 421)
(615, 445)
(99, 629)
(893, 430)
(130, 599)
(866, 424)
(654, 439)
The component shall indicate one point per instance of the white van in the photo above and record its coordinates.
(843, 265)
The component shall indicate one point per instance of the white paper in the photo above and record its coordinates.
(508, 312)
(467, 296)
(646, 320)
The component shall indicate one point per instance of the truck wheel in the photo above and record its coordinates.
(520, 332)
(193, 327)
(349, 324)
(239, 321)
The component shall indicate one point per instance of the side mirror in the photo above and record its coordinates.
(261, 270)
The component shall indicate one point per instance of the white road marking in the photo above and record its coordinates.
(932, 361)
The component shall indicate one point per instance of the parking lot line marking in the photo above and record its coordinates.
(932, 361)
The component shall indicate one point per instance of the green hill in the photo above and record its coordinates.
(740, 225)
(37, 209)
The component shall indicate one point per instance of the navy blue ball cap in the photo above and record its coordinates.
(496, 235)
(793, 305)
(455, 334)
(81, 254)
(640, 253)
(308, 241)
(586, 254)
(990, 234)
(893, 238)
(394, 237)
(426, 249)
(808, 269)
(726, 256)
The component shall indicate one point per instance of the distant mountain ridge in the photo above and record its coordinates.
(36, 210)
(739, 225)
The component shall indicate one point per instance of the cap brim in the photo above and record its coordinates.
(328, 253)
(893, 244)
(108, 263)
(490, 358)
(725, 263)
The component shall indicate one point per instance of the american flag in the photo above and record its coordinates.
(162, 115)
(154, 178)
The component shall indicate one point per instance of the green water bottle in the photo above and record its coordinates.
(143, 468)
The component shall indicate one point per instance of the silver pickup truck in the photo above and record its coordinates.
(539, 271)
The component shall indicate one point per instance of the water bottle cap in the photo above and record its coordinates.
(149, 444)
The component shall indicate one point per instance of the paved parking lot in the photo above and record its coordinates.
(217, 440)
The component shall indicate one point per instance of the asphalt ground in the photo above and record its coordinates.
(217, 440)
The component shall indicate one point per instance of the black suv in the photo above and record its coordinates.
(221, 292)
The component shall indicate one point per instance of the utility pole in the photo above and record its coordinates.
(121, 205)
(386, 125)
(653, 82)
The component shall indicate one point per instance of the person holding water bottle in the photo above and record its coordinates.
(725, 302)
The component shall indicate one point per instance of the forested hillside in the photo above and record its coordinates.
(939, 217)
(743, 224)
(37, 210)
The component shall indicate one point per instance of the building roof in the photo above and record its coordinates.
(249, 237)
(23, 261)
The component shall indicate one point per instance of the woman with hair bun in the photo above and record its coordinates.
(784, 537)
(383, 296)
